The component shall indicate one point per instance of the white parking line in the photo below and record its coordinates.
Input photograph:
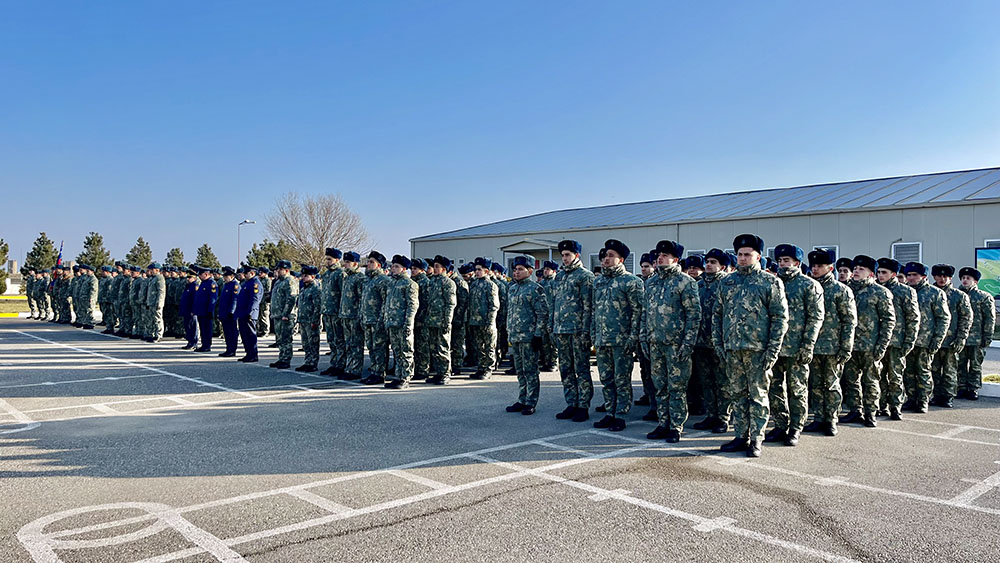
(18, 417)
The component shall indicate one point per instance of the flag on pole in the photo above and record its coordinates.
(59, 259)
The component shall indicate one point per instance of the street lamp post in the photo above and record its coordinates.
(238, 248)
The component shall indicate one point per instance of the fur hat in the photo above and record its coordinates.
(749, 241)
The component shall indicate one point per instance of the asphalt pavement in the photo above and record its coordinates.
(118, 450)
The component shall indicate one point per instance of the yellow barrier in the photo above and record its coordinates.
(14, 297)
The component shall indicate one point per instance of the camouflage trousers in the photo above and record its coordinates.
(334, 339)
(970, 368)
(748, 380)
(671, 378)
(500, 343)
(310, 341)
(891, 379)
(825, 395)
(401, 340)
(125, 318)
(645, 374)
(614, 364)
(788, 395)
(574, 369)
(43, 306)
(354, 346)
(110, 315)
(32, 306)
(178, 328)
(917, 379)
(457, 346)
(707, 367)
(526, 364)
(944, 373)
(421, 350)
(548, 355)
(141, 320)
(860, 383)
(439, 345)
(484, 347)
(264, 320)
(283, 336)
(377, 342)
(85, 314)
(106, 314)
(155, 322)
(62, 309)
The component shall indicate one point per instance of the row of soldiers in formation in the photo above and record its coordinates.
(759, 345)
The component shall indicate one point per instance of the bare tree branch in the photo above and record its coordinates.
(309, 224)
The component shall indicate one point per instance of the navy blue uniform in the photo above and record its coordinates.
(227, 310)
(247, 311)
(187, 313)
(204, 308)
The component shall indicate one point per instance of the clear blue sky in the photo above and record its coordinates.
(175, 120)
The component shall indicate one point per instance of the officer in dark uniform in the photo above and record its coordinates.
(187, 308)
(227, 311)
(204, 307)
(247, 309)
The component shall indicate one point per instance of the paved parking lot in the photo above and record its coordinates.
(116, 450)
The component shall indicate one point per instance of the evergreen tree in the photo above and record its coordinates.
(4, 250)
(43, 253)
(141, 254)
(207, 258)
(268, 253)
(94, 254)
(175, 257)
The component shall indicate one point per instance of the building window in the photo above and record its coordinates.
(904, 252)
(769, 252)
(991, 243)
(696, 252)
(595, 262)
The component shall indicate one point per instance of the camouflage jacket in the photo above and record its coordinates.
(876, 317)
(115, 291)
(546, 284)
(484, 301)
(961, 317)
(572, 295)
(350, 293)
(934, 316)
(805, 311)
(333, 282)
(265, 289)
(137, 292)
(89, 288)
(283, 294)
(750, 312)
(373, 297)
(503, 287)
(528, 313)
(984, 317)
(618, 302)
(904, 301)
(125, 291)
(402, 298)
(460, 315)
(671, 311)
(103, 285)
(441, 300)
(836, 337)
(708, 288)
(310, 303)
(423, 284)
(156, 291)
(61, 290)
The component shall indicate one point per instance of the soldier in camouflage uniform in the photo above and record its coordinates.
(944, 367)
(310, 307)
(501, 344)
(124, 308)
(399, 316)
(137, 294)
(984, 316)
(615, 327)
(833, 346)
(705, 362)
(103, 283)
(333, 283)
(550, 354)
(28, 275)
(264, 316)
(694, 266)
(112, 317)
(904, 335)
(935, 319)
(283, 296)
(421, 338)
(350, 317)
(156, 294)
(527, 316)
(845, 271)
(87, 297)
(876, 321)
(751, 318)
(484, 302)
(789, 391)
(372, 301)
(74, 296)
(671, 318)
(572, 312)
(441, 302)
(459, 317)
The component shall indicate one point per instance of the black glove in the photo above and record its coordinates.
(536, 343)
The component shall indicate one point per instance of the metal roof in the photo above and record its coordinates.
(922, 190)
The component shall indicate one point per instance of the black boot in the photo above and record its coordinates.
(581, 414)
(673, 436)
(329, 371)
(651, 416)
(792, 439)
(280, 365)
(528, 411)
(736, 445)
(753, 449)
(642, 401)
(600, 408)
(814, 426)
(566, 414)
(830, 428)
(617, 425)
(516, 407)
(776, 435)
(658, 433)
(306, 368)
(720, 427)
(604, 422)
(853, 416)
(706, 424)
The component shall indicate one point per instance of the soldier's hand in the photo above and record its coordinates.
(987, 342)
(683, 353)
(804, 357)
(958, 347)
(536, 343)
(842, 358)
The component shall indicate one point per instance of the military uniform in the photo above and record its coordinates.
(376, 337)
(421, 336)
(310, 307)
(550, 354)
(283, 294)
(156, 295)
(350, 320)
(126, 322)
(970, 360)
(872, 336)
(400, 311)
(706, 364)
(788, 394)
(458, 322)
(227, 314)
(333, 280)
(484, 302)
(571, 315)
(441, 301)
(205, 299)
(186, 310)
(137, 302)
(944, 367)
(904, 336)
(264, 317)
(29, 291)
(935, 319)
(527, 315)
(501, 342)
(833, 349)
(87, 292)
(247, 310)
(617, 318)
(42, 300)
